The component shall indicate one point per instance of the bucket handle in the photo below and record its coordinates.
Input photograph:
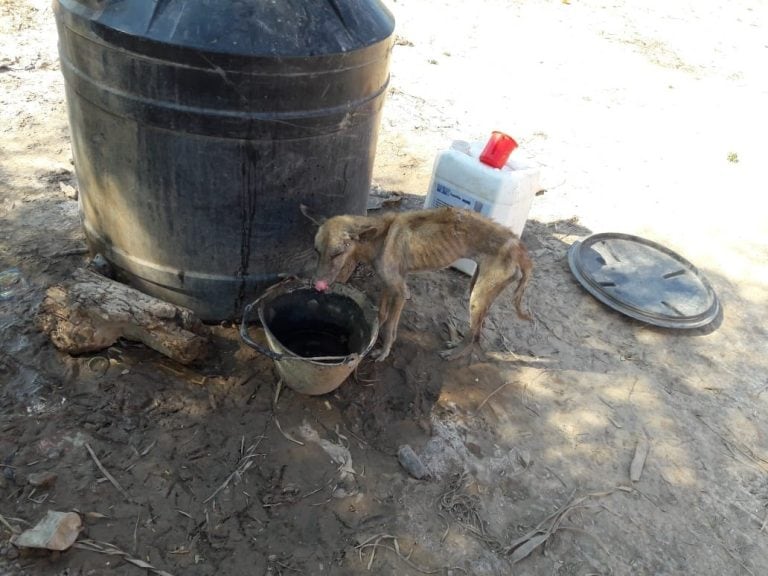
(250, 341)
(266, 351)
(247, 311)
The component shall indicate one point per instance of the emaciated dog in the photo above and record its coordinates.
(396, 244)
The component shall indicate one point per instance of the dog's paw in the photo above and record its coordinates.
(457, 352)
(451, 353)
(380, 355)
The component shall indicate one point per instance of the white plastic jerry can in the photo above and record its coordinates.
(460, 179)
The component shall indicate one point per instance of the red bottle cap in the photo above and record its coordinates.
(497, 150)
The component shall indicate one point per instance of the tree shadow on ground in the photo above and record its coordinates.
(559, 415)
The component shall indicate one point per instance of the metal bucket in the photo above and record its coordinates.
(316, 339)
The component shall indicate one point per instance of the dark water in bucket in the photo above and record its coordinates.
(314, 341)
(312, 324)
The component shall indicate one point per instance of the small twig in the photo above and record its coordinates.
(463, 508)
(604, 401)
(109, 476)
(447, 527)
(278, 389)
(7, 525)
(374, 542)
(112, 550)
(754, 516)
(738, 560)
(287, 436)
(242, 467)
(315, 491)
(490, 395)
(612, 421)
(530, 409)
(40, 500)
(756, 461)
(727, 550)
(71, 252)
(638, 460)
(556, 476)
(632, 390)
(521, 547)
(136, 533)
(356, 437)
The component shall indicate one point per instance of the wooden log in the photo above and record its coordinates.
(91, 312)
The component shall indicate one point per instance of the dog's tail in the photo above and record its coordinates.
(526, 267)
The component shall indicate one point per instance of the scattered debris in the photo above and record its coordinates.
(69, 191)
(739, 451)
(464, 509)
(93, 516)
(101, 266)
(243, 465)
(11, 283)
(11, 528)
(276, 565)
(42, 479)
(286, 435)
(346, 484)
(522, 547)
(411, 462)
(638, 461)
(98, 365)
(91, 312)
(339, 454)
(56, 175)
(483, 403)
(374, 542)
(109, 476)
(56, 531)
(112, 550)
(379, 198)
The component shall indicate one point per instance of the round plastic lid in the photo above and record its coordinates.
(643, 280)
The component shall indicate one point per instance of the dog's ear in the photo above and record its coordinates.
(318, 220)
(366, 234)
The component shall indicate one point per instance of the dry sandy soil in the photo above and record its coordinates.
(647, 118)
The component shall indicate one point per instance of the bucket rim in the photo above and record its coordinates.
(293, 284)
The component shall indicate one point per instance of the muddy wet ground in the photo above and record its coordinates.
(647, 119)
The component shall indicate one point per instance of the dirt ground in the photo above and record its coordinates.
(647, 118)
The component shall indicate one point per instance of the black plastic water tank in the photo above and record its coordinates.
(199, 126)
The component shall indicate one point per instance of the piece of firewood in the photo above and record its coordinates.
(90, 312)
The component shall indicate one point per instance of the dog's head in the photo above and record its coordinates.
(336, 243)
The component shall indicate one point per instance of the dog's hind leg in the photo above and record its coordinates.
(491, 278)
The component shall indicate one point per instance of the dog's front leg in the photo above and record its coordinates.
(395, 301)
(384, 306)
